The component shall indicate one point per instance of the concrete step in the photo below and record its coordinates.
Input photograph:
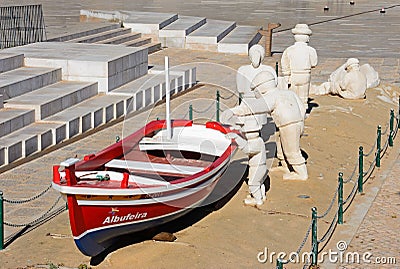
(12, 119)
(186, 71)
(101, 36)
(120, 39)
(151, 47)
(91, 113)
(107, 65)
(52, 99)
(240, 40)
(30, 139)
(174, 34)
(78, 33)
(137, 42)
(147, 23)
(208, 35)
(10, 61)
(151, 88)
(26, 79)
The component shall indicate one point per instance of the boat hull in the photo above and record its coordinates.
(101, 212)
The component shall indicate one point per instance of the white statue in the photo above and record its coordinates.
(246, 74)
(349, 81)
(288, 113)
(253, 146)
(297, 61)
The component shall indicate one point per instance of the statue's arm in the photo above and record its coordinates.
(314, 58)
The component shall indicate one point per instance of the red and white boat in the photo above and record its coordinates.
(142, 181)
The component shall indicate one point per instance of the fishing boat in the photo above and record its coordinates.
(153, 176)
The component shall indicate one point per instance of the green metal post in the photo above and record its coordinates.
(378, 146)
(240, 98)
(277, 69)
(391, 124)
(217, 108)
(279, 264)
(314, 239)
(340, 199)
(190, 112)
(1, 221)
(360, 169)
(398, 119)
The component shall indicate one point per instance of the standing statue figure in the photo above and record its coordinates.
(348, 81)
(288, 113)
(252, 145)
(246, 74)
(297, 61)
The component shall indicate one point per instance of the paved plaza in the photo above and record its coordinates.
(342, 32)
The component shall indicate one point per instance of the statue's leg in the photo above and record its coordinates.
(290, 138)
(282, 165)
(256, 180)
(301, 86)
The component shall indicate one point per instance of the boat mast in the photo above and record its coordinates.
(167, 98)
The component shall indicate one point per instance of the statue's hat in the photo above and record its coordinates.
(301, 29)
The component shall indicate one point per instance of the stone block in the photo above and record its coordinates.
(86, 122)
(1, 101)
(109, 113)
(10, 61)
(239, 40)
(30, 146)
(88, 62)
(2, 156)
(98, 118)
(210, 33)
(23, 80)
(73, 127)
(14, 152)
(46, 140)
(52, 99)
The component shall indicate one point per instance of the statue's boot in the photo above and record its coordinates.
(300, 173)
(257, 197)
(282, 167)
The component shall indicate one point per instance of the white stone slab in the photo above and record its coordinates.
(88, 62)
(90, 29)
(186, 71)
(183, 26)
(10, 61)
(97, 37)
(54, 98)
(240, 40)
(28, 140)
(12, 120)
(25, 79)
(211, 32)
(90, 113)
(174, 35)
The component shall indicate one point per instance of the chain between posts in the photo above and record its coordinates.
(358, 185)
(36, 220)
(29, 199)
(1, 221)
(280, 262)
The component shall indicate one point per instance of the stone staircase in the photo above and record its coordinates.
(111, 34)
(54, 91)
(178, 31)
